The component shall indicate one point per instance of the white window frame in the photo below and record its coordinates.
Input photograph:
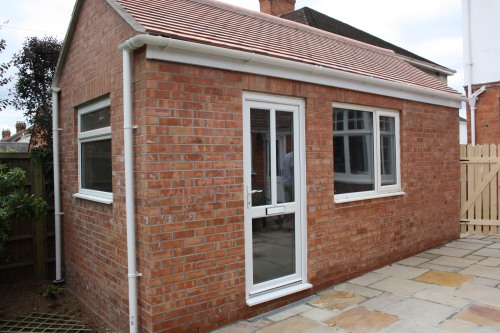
(379, 189)
(98, 134)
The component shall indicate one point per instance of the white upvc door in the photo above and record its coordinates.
(274, 175)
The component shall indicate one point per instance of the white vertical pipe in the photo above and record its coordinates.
(57, 186)
(468, 67)
(129, 190)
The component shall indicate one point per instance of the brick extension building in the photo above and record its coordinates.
(238, 161)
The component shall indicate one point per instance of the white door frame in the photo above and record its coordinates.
(263, 292)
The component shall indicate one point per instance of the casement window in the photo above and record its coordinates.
(94, 147)
(366, 152)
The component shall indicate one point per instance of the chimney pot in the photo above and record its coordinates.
(5, 134)
(20, 126)
(277, 7)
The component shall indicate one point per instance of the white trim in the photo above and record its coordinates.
(379, 189)
(166, 49)
(278, 293)
(98, 134)
(265, 291)
(95, 198)
(348, 198)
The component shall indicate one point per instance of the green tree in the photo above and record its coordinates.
(36, 63)
(15, 202)
(4, 67)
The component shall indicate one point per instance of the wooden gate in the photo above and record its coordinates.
(479, 189)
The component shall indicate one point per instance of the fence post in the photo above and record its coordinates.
(39, 239)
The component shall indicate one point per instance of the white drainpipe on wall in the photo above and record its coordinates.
(57, 190)
(128, 128)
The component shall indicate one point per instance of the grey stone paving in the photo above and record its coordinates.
(451, 289)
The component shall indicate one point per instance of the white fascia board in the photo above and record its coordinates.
(222, 58)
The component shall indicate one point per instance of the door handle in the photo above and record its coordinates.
(249, 195)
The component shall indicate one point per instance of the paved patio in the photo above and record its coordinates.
(453, 288)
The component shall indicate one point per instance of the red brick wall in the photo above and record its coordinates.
(190, 195)
(487, 115)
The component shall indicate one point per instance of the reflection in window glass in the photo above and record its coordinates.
(261, 150)
(94, 120)
(273, 239)
(96, 165)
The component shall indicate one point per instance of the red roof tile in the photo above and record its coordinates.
(218, 24)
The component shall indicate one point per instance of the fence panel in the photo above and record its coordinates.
(479, 186)
(29, 249)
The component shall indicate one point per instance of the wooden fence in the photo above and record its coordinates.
(479, 189)
(30, 249)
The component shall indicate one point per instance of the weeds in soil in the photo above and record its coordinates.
(50, 291)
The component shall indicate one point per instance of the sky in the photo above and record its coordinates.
(429, 28)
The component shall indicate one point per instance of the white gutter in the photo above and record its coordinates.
(57, 186)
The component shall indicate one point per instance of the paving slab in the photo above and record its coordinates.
(449, 251)
(455, 326)
(482, 271)
(494, 246)
(382, 301)
(244, 326)
(465, 245)
(401, 271)
(425, 312)
(452, 261)
(486, 252)
(290, 312)
(493, 262)
(297, 324)
(440, 267)
(411, 326)
(358, 290)
(481, 315)
(444, 278)
(486, 282)
(479, 293)
(361, 320)
(427, 255)
(367, 279)
(400, 286)
(442, 298)
(413, 261)
(473, 257)
(337, 300)
(319, 314)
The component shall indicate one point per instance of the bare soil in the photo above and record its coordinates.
(21, 298)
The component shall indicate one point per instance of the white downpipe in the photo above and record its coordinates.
(129, 191)
(128, 128)
(57, 186)
(468, 68)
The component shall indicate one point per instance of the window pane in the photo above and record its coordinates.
(388, 150)
(96, 165)
(285, 157)
(261, 156)
(94, 120)
(273, 239)
(353, 153)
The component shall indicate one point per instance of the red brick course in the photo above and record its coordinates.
(188, 152)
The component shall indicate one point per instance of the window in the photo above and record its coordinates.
(94, 140)
(366, 152)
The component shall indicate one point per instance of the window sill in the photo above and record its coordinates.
(278, 293)
(368, 197)
(106, 201)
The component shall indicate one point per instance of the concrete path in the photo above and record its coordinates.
(454, 288)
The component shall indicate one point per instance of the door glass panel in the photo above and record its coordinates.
(273, 247)
(261, 150)
(285, 159)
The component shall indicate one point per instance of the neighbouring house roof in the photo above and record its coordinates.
(324, 22)
(218, 24)
(20, 147)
